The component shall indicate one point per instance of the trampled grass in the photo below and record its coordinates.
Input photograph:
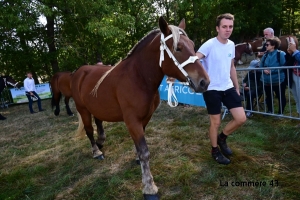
(40, 158)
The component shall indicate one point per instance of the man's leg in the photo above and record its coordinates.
(238, 120)
(30, 103)
(38, 101)
(215, 122)
(269, 98)
(213, 104)
(232, 101)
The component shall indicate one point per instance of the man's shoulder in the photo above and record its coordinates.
(210, 41)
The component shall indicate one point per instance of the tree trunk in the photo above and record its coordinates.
(51, 42)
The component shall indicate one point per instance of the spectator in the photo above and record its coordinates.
(252, 87)
(223, 87)
(272, 80)
(268, 34)
(296, 75)
(30, 91)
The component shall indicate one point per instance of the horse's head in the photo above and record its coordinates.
(181, 61)
(8, 80)
(248, 49)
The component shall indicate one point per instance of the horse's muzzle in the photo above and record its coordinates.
(199, 87)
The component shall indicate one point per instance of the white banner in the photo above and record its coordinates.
(19, 96)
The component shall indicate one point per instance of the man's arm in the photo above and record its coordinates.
(233, 77)
(26, 85)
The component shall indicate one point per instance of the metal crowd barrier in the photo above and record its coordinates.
(259, 106)
(5, 98)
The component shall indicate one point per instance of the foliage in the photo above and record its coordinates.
(45, 36)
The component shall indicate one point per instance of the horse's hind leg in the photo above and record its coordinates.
(55, 102)
(87, 121)
(100, 132)
(70, 113)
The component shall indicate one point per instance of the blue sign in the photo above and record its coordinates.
(183, 93)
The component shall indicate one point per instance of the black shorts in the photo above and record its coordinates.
(214, 99)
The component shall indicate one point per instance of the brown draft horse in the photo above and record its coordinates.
(240, 49)
(258, 43)
(60, 84)
(129, 91)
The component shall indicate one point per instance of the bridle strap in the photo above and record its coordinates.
(163, 46)
(4, 79)
(7, 82)
(14, 85)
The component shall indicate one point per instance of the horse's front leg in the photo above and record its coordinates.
(150, 189)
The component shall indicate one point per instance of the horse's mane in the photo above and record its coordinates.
(176, 35)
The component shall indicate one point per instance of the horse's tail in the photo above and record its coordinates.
(80, 130)
(56, 94)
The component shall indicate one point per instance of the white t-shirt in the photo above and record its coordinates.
(29, 85)
(217, 63)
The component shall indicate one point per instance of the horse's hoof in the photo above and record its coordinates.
(71, 114)
(56, 113)
(100, 146)
(101, 157)
(138, 162)
(151, 197)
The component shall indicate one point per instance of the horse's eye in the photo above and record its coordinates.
(178, 49)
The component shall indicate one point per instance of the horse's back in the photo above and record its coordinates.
(285, 39)
(103, 104)
(61, 82)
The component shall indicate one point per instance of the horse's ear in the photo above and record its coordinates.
(164, 27)
(182, 24)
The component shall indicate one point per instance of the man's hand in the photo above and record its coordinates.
(267, 71)
(31, 94)
(238, 91)
(292, 48)
(260, 54)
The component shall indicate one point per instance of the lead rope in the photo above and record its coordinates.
(172, 99)
(171, 95)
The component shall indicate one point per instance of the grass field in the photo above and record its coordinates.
(40, 158)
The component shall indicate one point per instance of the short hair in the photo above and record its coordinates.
(28, 72)
(270, 30)
(224, 16)
(274, 42)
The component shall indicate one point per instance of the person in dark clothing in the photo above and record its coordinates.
(252, 87)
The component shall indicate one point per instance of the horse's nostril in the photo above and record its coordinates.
(202, 83)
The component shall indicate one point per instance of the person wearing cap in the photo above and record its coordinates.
(30, 91)
(252, 87)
